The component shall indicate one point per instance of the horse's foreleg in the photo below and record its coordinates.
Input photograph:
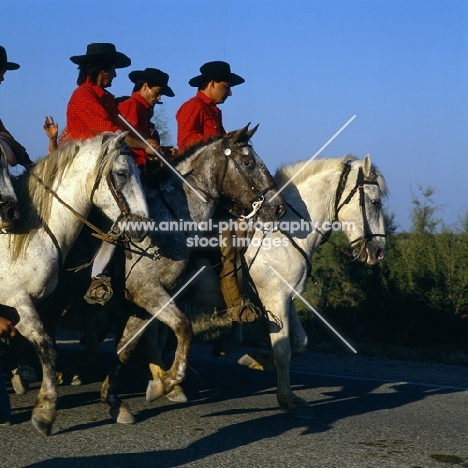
(174, 318)
(31, 327)
(156, 337)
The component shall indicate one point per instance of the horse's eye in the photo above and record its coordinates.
(121, 174)
(376, 203)
(248, 163)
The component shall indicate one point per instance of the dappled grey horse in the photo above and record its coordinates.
(225, 167)
(55, 198)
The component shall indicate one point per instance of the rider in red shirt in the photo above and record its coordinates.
(150, 85)
(199, 119)
(92, 109)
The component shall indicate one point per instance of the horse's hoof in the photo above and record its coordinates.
(260, 361)
(76, 380)
(22, 377)
(250, 362)
(298, 408)
(154, 390)
(43, 425)
(122, 414)
(176, 394)
(303, 412)
(20, 385)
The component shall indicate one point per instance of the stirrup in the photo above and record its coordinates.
(246, 312)
(99, 291)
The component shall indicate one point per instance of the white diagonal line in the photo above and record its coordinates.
(176, 172)
(161, 309)
(313, 310)
(312, 158)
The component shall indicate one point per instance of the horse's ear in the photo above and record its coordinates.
(252, 131)
(367, 166)
(116, 141)
(244, 134)
(239, 135)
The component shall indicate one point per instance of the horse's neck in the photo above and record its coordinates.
(63, 223)
(200, 191)
(313, 201)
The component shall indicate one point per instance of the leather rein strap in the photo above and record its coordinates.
(119, 198)
(360, 182)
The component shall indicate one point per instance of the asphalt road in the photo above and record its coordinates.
(370, 413)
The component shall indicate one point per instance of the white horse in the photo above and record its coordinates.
(346, 190)
(9, 211)
(55, 198)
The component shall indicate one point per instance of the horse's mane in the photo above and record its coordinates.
(185, 154)
(190, 150)
(286, 172)
(35, 201)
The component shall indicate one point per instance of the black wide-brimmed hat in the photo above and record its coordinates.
(218, 71)
(102, 51)
(154, 77)
(4, 63)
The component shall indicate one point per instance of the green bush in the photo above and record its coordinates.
(417, 297)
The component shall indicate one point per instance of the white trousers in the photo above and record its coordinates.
(102, 259)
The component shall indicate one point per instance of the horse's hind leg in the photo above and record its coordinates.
(31, 327)
(298, 335)
(120, 411)
(227, 343)
(278, 325)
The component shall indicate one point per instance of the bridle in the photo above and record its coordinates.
(258, 194)
(125, 213)
(361, 181)
(359, 185)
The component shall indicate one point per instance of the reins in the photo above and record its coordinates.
(112, 237)
(96, 231)
(259, 195)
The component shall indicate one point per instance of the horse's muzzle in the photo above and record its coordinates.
(137, 229)
(369, 252)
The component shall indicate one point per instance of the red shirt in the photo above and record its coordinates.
(138, 113)
(91, 111)
(199, 118)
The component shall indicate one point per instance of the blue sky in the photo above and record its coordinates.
(400, 66)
